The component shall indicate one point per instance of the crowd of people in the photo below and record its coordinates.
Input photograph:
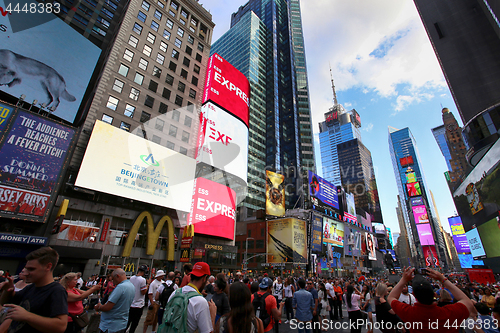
(196, 301)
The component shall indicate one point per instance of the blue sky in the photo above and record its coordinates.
(384, 67)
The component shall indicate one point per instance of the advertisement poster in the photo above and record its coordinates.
(477, 199)
(317, 233)
(123, 164)
(406, 161)
(482, 276)
(6, 112)
(287, 241)
(413, 189)
(475, 244)
(466, 260)
(379, 228)
(323, 193)
(227, 87)
(78, 231)
(275, 194)
(31, 158)
(420, 214)
(430, 255)
(350, 214)
(214, 207)
(223, 141)
(370, 247)
(411, 178)
(333, 232)
(458, 233)
(58, 76)
(490, 235)
(417, 201)
(425, 234)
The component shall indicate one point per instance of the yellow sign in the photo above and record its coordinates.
(130, 267)
(185, 255)
(286, 241)
(275, 194)
(152, 235)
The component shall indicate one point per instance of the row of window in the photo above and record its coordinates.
(172, 12)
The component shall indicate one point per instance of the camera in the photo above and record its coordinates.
(423, 271)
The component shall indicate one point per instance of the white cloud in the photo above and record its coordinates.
(368, 127)
(347, 105)
(402, 101)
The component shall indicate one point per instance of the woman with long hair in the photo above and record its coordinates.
(178, 281)
(444, 298)
(383, 309)
(367, 305)
(288, 291)
(352, 298)
(75, 297)
(323, 301)
(241, 318)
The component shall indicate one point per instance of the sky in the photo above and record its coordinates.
(383, 65)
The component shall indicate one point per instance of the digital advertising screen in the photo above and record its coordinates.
(420, 214)
(317, 234)
(379, 228)
(333, 232)
(475, 244)
(370, 246)
(406, 161)
(351, 207)
(466, 260)
(430, 256)
(413, 189)
(222, 141)
(286, 241)
(32, 156)
(214, 207)
(411, 177)
(123, 164)
(417, 201)
(323, 193)
(46, 60)
(477, 198)
(490, 236)
(6, 112)
(227, 87)
(458, 234)
(275, 194)
(425, 234)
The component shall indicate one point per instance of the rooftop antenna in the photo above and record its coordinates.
(333, 87)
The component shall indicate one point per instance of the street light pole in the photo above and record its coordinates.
(246, 253)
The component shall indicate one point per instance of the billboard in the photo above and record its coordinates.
(466, 260)
(411, 177)
(78, 231)
(490, 236)
(458, 233)
(406, 161)
(275, 194)
(286, 241)
(213, 211)
(6, 112)
(351, 208)
(425, 234)
(222, 141)
(420, 214)
(332, 116)
(317, 233)
(333, 232)
(379, 228)
(475, 244)
(370, 246)
(123, 164)
(57, 76)
(477, 199)
(32, 157)
(417, 201)
(482, 276)
(322, 193)
(430, 256)
(413, 189)
(355, 118)
(227, 87)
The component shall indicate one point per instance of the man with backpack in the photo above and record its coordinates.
(163, 294)
(265, 305)
(151, 316)
(187, 310)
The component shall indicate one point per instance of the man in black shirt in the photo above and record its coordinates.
(43, 305)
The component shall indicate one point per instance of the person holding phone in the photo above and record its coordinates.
(220, 299)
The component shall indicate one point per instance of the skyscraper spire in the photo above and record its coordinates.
(333, 87)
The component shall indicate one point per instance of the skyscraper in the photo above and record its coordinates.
(265, 43)
(424, 234)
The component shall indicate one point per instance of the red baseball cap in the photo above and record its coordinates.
(200, 269)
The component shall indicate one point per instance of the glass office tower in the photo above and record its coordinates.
(265, 43)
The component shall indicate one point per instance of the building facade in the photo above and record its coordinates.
(265, 43)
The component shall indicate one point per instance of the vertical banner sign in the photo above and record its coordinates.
(106, 221)
(32, 156)
(430, 256)
(317, 234)
(275, 194)
(60, 216)
(6, 112)
(286, 241)
(186, 242)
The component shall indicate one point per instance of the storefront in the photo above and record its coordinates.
(14, 248)
(220, 258)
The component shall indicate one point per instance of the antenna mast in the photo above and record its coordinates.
(333, 87)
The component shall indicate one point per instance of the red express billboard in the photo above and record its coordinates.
(32, 155)
(213, 209)
(227, 87)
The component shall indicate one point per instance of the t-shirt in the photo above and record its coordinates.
(354, 302)
(48, 301)
(79, 283)
(408, 299)
(140, 284)
(329, 289)
(198, 313)
(162, 286)
(122, 297)
(222, 302)
(270, 305)
(153, 288)
(185, 280)
(278, 290)
(432, 314)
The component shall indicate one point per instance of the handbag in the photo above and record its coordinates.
(81, 320)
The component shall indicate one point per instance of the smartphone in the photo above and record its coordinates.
(209, 297)
(423, 271)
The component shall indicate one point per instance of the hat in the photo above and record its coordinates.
(143, 268)
(422, 290)
(200, 269)
(160, 273)
(265, 283)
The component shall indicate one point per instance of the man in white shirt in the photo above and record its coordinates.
(79, 282)
(153, 306)
(200, 313)
(330, 292)
(158, 297)
(141, 288)
(406, 297)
